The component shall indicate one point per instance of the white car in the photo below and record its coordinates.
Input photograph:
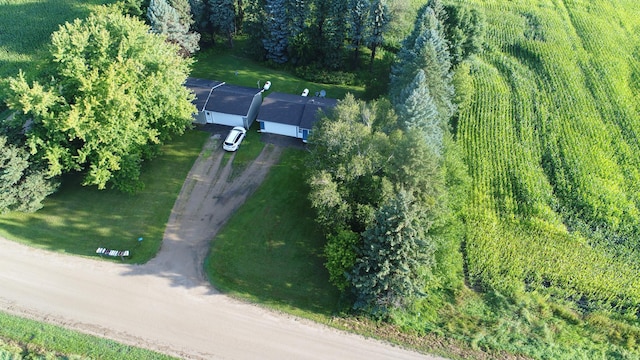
(233, 140)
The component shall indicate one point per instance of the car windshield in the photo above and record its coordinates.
(232, 138)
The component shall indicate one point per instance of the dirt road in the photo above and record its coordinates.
(167, 304)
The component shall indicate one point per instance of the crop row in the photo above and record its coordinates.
(552, 136)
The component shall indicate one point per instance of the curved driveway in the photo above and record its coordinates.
(166, 304)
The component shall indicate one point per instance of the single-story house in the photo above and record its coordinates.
(291, 115)
(221, 103)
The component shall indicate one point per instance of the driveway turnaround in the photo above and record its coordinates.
(167, 305)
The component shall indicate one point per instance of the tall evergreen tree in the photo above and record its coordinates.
(166, 20)
(464, 29)
(276, 41)
(332, 29)
(418, 112)
(200, 16)
(358, 26)
(183, 8)
(391, 265)
(426, 49)
(223, 18)
(298, 13)
(239, 14)
(253, 26)
(379, 21)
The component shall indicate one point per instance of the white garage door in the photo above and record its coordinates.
(227, 119)
(280, 129)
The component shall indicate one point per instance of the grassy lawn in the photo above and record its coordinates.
(79, 219)
(49, 342)
(22, 43)
(271, 251)
(229, 65)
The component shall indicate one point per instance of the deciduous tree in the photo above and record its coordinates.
(112, 94)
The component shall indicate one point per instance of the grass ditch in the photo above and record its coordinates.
(28, 339)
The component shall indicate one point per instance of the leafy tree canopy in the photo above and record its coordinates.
(23, 185)
(113, 92)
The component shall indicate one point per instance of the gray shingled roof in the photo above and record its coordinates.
(201, 88)
(220, 97)
(293, 109)
(310, 114)
(282, 108)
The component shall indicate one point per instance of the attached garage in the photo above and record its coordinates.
(220, 103)
(291, 115)
(280, 114)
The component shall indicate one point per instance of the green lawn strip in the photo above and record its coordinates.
(235, 69)
(270, 252)
(47, 341)
(79, 219)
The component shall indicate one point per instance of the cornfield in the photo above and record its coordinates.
(552, 141)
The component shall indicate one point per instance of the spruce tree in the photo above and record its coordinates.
(379, 21)
(276, 41)
(333, 33)
(391, 265)
(183, 8)
(419, 112)
(426, 49)
(200, 16)
(464, 29)
(166, 20)
(298, 13)
(253, 26)
(222, 16)
(358, 26)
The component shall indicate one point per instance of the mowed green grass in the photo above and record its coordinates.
(78, 219)
(270, 252)
(47, 341)
(231, 66)
(26, 27)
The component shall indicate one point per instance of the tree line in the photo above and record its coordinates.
(386, 176)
